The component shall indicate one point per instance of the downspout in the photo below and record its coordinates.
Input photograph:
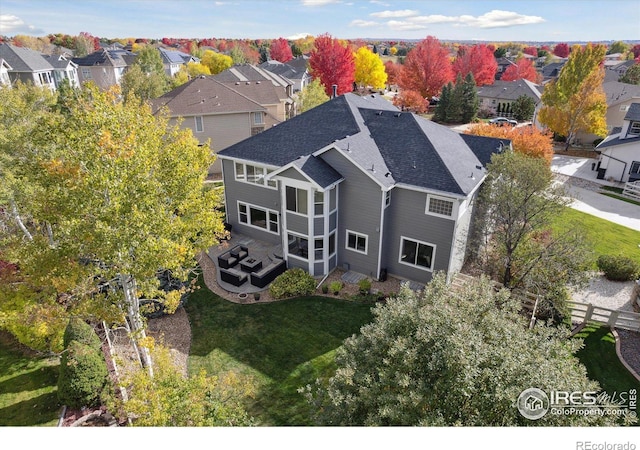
(624, 170)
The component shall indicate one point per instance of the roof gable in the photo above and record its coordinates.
(23, 59)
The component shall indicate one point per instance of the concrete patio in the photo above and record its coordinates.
(259, 250)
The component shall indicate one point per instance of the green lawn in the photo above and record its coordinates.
(278, 347)
(28, 386)
(605, 237)
(602, 363)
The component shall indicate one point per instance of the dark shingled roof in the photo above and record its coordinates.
(633, 113)
(299, 136)
(380, 139)
(23, 59)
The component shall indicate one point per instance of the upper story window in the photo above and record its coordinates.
(296, 200)
(387, 198)
(249, 173)
(199, 124)
(439, 206)
(634, 128)
(258, 118)
(86, 74)
(318, 203)
(357, 242)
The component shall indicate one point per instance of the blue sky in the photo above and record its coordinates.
(514, 20)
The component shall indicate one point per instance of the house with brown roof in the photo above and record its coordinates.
(222, 113)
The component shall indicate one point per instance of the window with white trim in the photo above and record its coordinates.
(387, 198)
(258, 217)
(635, 168)
(258, 118)
(86, 74)
(296, 199)
(319, 248)
(298, 246)
(199, 124)
(439, 206)
(318, 203)
(249, 173)
(332, 244)
(357, 242)
(634, 128)
(417, 253)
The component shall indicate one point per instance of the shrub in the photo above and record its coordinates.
(618, 268)
(83, 375)
(364, 286)
(292, 283)
(325, 288)
(81, 331)
(335, 287)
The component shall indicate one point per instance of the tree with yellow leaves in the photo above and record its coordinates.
(369, 69)
(576, 100)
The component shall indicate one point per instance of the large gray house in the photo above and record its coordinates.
(355, 183)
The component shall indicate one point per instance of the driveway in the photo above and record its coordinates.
(583, 186)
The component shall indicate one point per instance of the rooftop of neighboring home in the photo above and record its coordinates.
(293, 69)
(394, 147)
(552, 70)
(249, 72)
(106, 57)
(617, 92)
(58, 61)
(23, 59)
(205, 95)
(616, 137)
(510, 90)
(174, 56)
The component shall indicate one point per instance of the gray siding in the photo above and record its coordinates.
(298, 224)
(460, 239)
(318, 226)
(406, 217)
(252, 194)
(359, 211)
(293, 174)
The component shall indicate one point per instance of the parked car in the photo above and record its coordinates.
(502, 121)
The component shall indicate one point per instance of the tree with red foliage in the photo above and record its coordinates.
(409, 100)
(477, 60)
(280, 50)
(523, 68)
(426, 68)
(393, 71)
(636, 51)
(561, 50)
(332, 63)
(531, 51)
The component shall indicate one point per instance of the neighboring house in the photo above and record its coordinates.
(63, 69)
(27, 66)
(619, 96)
(174, 60)
(503, 64)
(357, 184)
(222, 113)
(615, 72)
(282, 87)
(551, 71)
(104, 67)
(498, 97)
(4, 73)
(619, 158)
(296, 70)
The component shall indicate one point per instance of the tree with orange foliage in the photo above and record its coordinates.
(332, 63)
(280, 50)
(426, 69)
(393, 70)
(522, 69)
(477, 60)
(527, 140)
(409, 100)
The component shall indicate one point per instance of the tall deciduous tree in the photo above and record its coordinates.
(522, 69)
(632, 75)
(392, 70)
(281, 50)
(332, 63)
(426, 69)
(477, 60)
(216, 62)
(124, 199)
(562, 50)
(146, 78)
(438, 358)
(525, 140)
(369, 70)
(311, 96)
(517, 204)
(575, 101)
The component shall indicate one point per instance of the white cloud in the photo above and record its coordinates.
(395, 14)
(363, 23)
(378, 2)
(404, 25)
(10, 25)
(318, 2)
(492, 19)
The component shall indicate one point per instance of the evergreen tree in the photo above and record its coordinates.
(443, 105)
(470, 101)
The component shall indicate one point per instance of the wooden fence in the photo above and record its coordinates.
(632, 190)
(586, 312)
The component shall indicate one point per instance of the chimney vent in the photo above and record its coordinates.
(335, 90)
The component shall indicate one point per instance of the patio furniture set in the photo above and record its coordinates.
(250, 268)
